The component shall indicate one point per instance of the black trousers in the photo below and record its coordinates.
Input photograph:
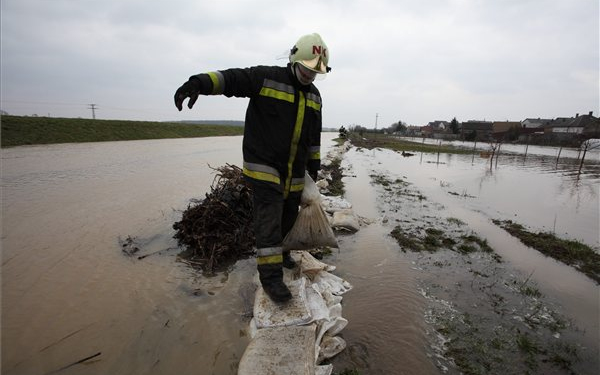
(274, 215)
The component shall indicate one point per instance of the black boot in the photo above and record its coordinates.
(271, 279)
(288, 261)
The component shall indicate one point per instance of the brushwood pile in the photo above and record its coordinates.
(217, 231)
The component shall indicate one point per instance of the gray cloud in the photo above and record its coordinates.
(406, 60)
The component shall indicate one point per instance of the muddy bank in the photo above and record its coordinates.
(483, 315)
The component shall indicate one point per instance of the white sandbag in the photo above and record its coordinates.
(309, 265)
(270, 314)
(330, 299)
(327, 281)
(332, 204)
(311, 229)
(316, 303)
(280, 350)
(338, 325)
(324, 370)
(345, 220)
(330, 347)
(329, 327)
(322, 184)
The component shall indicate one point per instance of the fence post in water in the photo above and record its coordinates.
(439, 147)
(558, 156)
(474, 147)
(526, 147)
(585, 145)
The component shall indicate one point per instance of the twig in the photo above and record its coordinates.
(75, 363)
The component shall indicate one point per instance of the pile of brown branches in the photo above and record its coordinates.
(217, 231)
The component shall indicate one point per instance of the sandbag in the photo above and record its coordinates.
(311, 229)
(345, 220)
(310, 266)
(333, 204)
(324, 370)
(269, 314)
(280, 350)
(330, 347)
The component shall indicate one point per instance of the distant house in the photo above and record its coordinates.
(438, 126)
(563, 125)
(573, 128)
(482, 129)
(412, 130)
(535, 122)
(504, 126)
(503, 130)
(426, 131)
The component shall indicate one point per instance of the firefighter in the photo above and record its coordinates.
(282, 137)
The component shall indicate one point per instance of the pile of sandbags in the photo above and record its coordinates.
(295, 338)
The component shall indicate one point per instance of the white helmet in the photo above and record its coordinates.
(312, 53)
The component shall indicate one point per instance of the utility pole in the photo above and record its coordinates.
(93, 107)
(376, 116)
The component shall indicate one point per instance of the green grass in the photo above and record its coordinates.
(20, 130)
(573, 253)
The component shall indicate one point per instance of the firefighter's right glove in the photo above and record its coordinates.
(190, 89)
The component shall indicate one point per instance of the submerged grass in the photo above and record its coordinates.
(336, 185)
(435, 239)
(374, 140)
(573, 253)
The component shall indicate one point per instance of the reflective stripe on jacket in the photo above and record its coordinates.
(282, 134)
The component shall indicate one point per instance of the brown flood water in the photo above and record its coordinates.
(69, 293)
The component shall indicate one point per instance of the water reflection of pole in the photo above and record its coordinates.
(526, 147)
(498, 154)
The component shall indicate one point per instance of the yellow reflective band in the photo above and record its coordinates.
(315, 156)
(281, 95)
(263, 176)
(272, 259)
(296, 188)
(295, 140)
(217, 89)
(314, 105)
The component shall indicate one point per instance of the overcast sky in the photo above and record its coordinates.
(409, 60)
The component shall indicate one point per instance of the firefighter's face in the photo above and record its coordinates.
(304, 75)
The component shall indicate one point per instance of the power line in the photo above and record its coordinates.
(93, 107)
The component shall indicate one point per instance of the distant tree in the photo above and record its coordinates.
(401, 127)
(471, 136)
(513, 134)
(343, 132)
(454, 126)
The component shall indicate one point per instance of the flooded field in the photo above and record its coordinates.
(68, 292)
(510, 310)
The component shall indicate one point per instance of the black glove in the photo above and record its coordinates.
(313, 175)
(190, 89)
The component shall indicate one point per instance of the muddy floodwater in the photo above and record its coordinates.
(69, 293)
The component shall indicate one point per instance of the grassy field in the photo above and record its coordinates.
(19, 130)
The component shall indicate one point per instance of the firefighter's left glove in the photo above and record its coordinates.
(190, 89)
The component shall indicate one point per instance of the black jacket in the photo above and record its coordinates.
(282, 134)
